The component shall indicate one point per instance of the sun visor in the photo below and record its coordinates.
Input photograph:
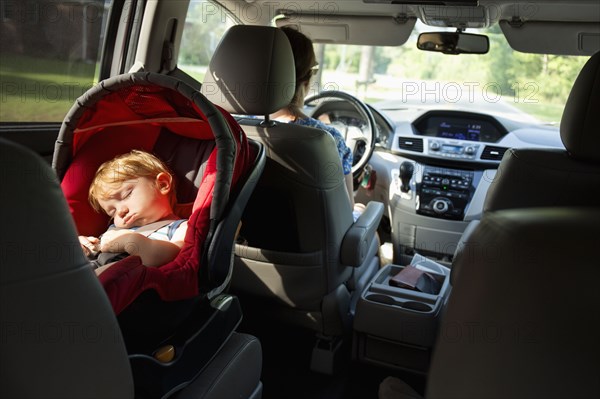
(563, 38)
(344, 29)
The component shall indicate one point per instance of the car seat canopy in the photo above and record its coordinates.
(202, 144)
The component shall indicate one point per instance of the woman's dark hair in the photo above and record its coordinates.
(304, 54)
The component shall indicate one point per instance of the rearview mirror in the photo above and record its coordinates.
(453, 43)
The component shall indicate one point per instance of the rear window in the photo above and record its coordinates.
(49, 55)
(205, 24)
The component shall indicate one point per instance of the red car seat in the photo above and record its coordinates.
(216, 169)
(158, 114)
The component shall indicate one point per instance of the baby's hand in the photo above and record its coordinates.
(119, 241)
(89, 245)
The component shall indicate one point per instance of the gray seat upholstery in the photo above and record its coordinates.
(571, 177)
(522, 320)
(530, 177)
(304, 253)
(60, 337)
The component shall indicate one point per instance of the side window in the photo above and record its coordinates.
(49, 54)
(205, 24)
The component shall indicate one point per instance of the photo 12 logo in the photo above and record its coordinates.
(470, 92)
(37, 12)
(253, 12)
(42, 92)
(491, 11)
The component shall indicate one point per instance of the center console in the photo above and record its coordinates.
(396, 327)
(431, 205)
(444, 193)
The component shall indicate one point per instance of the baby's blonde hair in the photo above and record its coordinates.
(125, 167)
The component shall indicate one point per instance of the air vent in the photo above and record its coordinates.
(492, 153)
(410, 144)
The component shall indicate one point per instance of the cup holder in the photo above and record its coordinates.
(418, 306)
(385, 299)
(388, 300)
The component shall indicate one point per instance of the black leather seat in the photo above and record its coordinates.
(60, 337)
(304, 253)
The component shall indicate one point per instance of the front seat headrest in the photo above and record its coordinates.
(252, 71)
(580, 124)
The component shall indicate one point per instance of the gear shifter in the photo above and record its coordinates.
(406, 172)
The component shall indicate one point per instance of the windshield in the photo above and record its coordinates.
(525, 87)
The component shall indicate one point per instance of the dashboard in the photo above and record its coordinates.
(453, 157)
(459, 126)
(467, 139)
(456, 135)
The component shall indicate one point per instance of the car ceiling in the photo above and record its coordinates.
(546, 26)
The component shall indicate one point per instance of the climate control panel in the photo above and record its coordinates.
(444, 193)
(453, 149)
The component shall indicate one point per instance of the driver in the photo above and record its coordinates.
(306, 66)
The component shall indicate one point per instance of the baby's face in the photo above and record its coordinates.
(136, 202)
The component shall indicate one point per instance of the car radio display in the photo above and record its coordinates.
(459, 126)
(459, 131)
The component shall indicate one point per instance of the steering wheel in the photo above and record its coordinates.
(360, 140)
